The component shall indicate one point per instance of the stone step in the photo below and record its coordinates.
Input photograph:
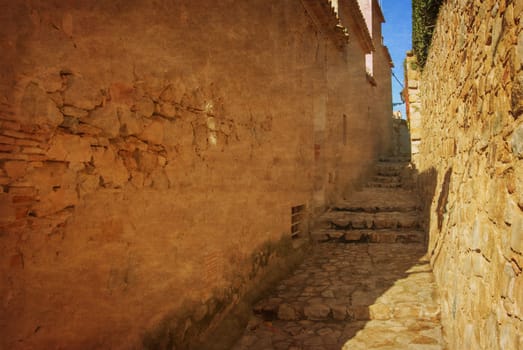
(385, 171)
(374, 184)
(379, 199)
(381, 178)
(363, 220)
(392, 164)
(359, 308)
(395, 159)
(351, 287)
(368, 236)
(390, 169)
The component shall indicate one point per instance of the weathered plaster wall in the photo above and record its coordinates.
(150, 154)
(471, 159)
(376, 87)
(382, 105)
(351, 147)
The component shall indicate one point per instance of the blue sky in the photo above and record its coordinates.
(396, 32)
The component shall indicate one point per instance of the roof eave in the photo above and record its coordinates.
(362, 29)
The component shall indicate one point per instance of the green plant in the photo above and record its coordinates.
(424, 17)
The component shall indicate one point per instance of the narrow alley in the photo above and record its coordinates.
(368, 285)
(217, 175)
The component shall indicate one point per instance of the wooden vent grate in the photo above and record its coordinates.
(297, 216)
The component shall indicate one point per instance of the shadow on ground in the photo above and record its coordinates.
(349, 296)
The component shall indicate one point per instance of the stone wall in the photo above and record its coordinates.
(150, 155)
(413, 104)
(400, 138)
(471, 164)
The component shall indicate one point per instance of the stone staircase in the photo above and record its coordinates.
(383, 212)
(367, 284)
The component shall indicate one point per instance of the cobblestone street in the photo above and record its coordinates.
(261, 175)
(355, 296)
(365, 286)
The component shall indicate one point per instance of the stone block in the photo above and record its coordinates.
(353, 235)
(82, 93)
(287, 312)
(385, 221)
(516, 141)
(144, 107)
(480, 265)
(72, 148)
(74, 112)
(417, 346)
(516, 237)
(496, 204)
(359, 312)
(130, 122)
(268, 306)
(407, 310)
(15, 169)
(509, 336)
(159, 179)
(50, 176)
(37, 108)
(482, 235)
(146, 161)
(518, 297)
(415, 144)
(167, 110)
(172, 93)
(106, 119)
(518, 174)
(339, 312)
(87, 183)
(336, 234)
(7, 210)
(317, 311)
(379, 311)
(109, 167)
(153, 132)
(408, 220)
(363, 298)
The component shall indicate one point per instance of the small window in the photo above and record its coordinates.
(297, 216)
(334, 4)
(344, 130)
(369, 63)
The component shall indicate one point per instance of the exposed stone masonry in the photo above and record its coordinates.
(385, 211)
(151, 154)
(369, 286)
(413, 103)
(471, 171)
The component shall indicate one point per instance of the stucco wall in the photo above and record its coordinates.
(471, 165)
(150, 154)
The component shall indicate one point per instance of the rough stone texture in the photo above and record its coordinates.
(413, 104)
(355, 295)
(401, 143)
(382, 212)
(150, 154)
(351, 296)
(470, 164)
